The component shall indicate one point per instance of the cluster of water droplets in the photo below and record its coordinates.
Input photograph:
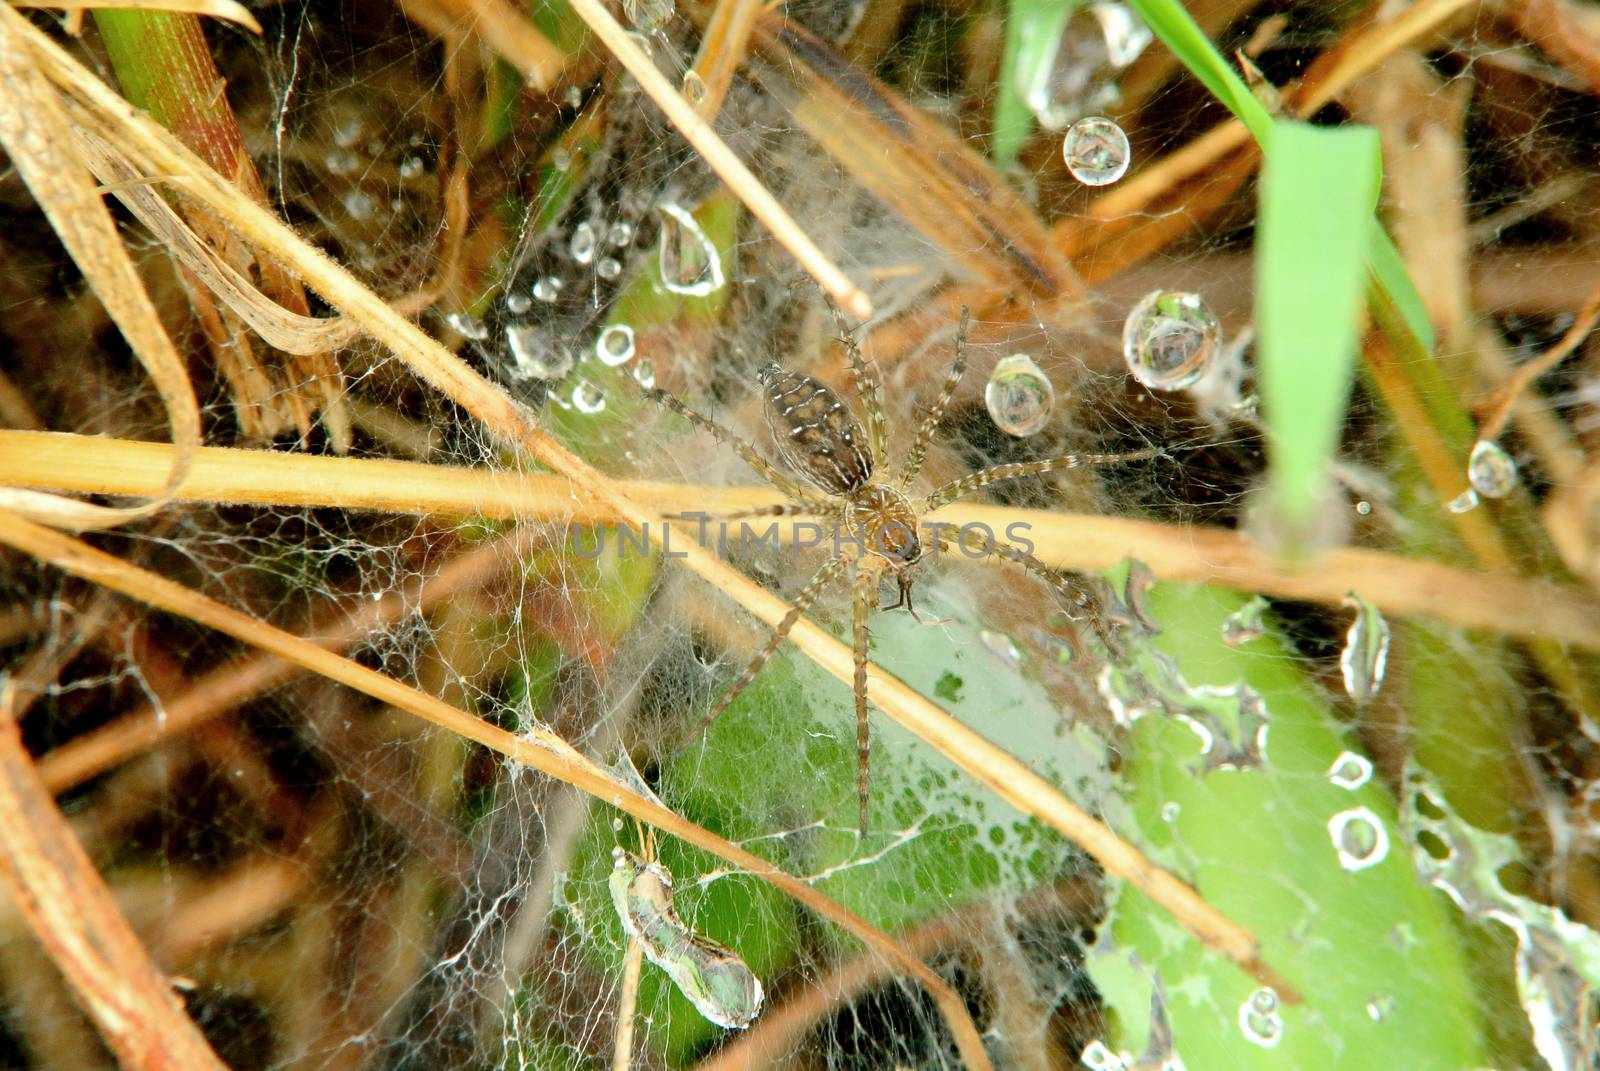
(1259, 1019)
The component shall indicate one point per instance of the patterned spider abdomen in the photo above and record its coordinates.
(815, 431)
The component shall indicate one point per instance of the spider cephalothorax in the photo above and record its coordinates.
(820, 439)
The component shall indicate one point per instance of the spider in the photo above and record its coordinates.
(877, 520)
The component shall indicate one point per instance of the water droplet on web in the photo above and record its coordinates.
(411, 167)
(348, 130)
(1019, 396)
(1169, 339)
(1490, 469)
(573, 98)
(608, 268)
(644, 373)
(647, 16)
(615, 345)
(582, 244)
(1245, 624)
(1126, 34)
(1359, 837)
(1097, 1056)
(560, 158)
(1350, 770)
(616, 825)
(1465, 502)
(359, 204)
(688, 261)
(1000, 645)
(694, 87)
(1366, 651)
(620, 234)
(714, 979)
(1170, 811)
(1096, 151)
(517, 304)
(1379, 1007)
(342, 162)
(469, 327)
(535, 354)
(547, 288)
(588, 398)
(1259, 1020)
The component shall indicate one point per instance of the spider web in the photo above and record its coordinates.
(337, 886)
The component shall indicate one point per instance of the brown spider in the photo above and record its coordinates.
(818, 437)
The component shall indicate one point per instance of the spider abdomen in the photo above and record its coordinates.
(815, 431)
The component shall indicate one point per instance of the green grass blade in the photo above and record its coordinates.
(1171, 23)
(1033, 35)
(1394, 284)
(1314, 231)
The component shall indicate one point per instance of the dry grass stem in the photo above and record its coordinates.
(1498, 602)
(69, 908)
(501, 27)
(37, 134)
(722, 49)
(1497, 408)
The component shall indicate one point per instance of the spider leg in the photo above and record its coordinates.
(810, 508)
(984, 477)
(1090, 596)
(802, 603)
(930, 422)
(762, 466)
(866, 380)
(864, 595)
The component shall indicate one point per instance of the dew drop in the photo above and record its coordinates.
(1259, 1020)
(1000, 645)
(1379, 1007)
(608, 268)
(1019, 396)
(411, 167)
(467, 326)
(1350, 770)
(1097, 1056)
(535, 354)
(1126, 34)
(1465, 502)
(1490, 469)
(359, 204)
(582, 244)
(694, 87)
(1096, 151)
(1245, 624)
(573, 97)
(547, 288)
(1170, 811)
(1169, 339)
(644, 373)
(1366, 651)
(689, 262)
(588, 398)
(342, 162)
(647, 16)
(517, 304)
(615, 345)
(620, 234)
(1359, 837)
(560, 158)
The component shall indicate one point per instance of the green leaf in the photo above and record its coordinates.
(1394, 285)
(1313, 234)
(1373, 950)
(1171, 23)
